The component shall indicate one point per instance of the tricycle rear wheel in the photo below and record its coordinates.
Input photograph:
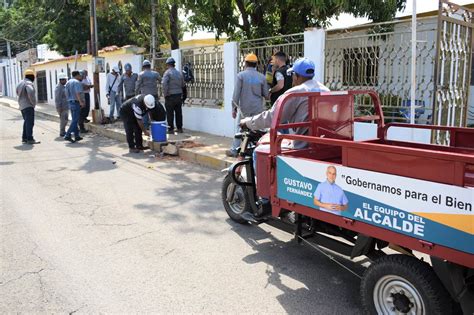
(401, 284)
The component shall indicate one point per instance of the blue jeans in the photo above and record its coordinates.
(75, 109)
(115, 101)
(28, 123)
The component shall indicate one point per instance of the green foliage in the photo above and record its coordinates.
(27, 21)
(263, 18)
(64, 24)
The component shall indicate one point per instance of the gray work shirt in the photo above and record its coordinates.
(128, 83)
(295, 110)
(26, 94)
(172, 82)
(250, 89)
(147, 82)
(60, 98)
(74, 86)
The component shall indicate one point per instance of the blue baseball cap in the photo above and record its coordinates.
(128, 67)
(303, 67)
(170, 61)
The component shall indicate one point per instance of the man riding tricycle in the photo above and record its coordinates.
(406, 206)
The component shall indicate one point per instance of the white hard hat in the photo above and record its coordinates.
(62, 76)
(149, 101)
(115, 69)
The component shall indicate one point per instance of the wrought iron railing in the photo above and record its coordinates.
(378, 57)
(207, 66)
(264, 48)
(453, 67)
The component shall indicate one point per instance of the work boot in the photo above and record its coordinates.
(142, 148)
(24, 141)
(231, 153)
(68, 138)
(78, 138)
(33, 142)
(180, 130)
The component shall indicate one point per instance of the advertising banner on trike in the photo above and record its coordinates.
(437, 213)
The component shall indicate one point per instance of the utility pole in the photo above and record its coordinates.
(9, 54)
(153, 33)
(97, 112)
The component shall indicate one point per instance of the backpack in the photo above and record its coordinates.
(188, 75)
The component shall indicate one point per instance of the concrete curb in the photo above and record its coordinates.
(188, 155)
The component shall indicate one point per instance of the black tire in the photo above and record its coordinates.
(391, 280)
(242, 200)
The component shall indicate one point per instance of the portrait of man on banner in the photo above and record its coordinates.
(328, 196)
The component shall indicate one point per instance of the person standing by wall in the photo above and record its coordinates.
(282, 82)
(112, 92)
(75, 98)
(127, 83)
(173, 84)
(27, 101)
(87, 85)
(147, 83)
(250, 90)
(62, 106)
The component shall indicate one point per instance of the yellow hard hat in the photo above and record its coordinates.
(251, 58)
(29, 72)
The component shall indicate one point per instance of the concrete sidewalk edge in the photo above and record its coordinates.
(189, 155)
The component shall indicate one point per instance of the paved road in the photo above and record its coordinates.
(86, 228)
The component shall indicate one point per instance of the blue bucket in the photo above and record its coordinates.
(158, 131)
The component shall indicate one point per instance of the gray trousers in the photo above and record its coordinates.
(236, 142)
(63, 119)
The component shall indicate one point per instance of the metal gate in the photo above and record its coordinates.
(207, 64)
(41, 86)
(264, 48)
(453, 66)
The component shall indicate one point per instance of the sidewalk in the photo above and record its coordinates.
(197, 147)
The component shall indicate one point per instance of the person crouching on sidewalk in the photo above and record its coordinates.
(132, 113)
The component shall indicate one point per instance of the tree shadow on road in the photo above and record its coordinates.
(321, 281)
(195, 191)
(98, 161)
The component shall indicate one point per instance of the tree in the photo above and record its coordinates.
(25, 22)
(262, 18)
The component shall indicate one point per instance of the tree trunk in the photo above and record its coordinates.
(245, 17)
(174, 26)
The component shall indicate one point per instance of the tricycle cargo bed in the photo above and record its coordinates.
(419, 196)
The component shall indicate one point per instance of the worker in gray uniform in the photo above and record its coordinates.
(173, 84)
(27, 102)
(128, 82)
(251, 88)
(296, 108)
(147, 83)
(62, 106)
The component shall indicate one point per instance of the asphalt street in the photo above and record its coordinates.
(88, 227)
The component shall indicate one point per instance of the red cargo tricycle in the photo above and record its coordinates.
(407, 206)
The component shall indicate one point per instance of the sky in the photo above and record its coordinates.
(345, 20)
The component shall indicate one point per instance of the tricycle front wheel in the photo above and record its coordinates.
(234, 199)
